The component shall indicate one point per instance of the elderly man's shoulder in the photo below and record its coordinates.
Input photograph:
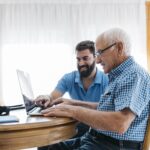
(137, 71)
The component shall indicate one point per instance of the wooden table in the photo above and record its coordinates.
(35, 131)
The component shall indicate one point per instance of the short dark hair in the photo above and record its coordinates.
(86, 45)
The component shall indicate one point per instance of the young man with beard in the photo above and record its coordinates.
(87, 84)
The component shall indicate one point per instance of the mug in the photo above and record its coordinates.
(4, 110)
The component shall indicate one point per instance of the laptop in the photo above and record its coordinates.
(27, 93)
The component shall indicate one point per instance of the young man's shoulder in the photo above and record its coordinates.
(71, 75)
(74, 72)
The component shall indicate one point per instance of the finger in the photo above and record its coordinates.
(47, 110)
(52, 112)
(39, 103)
(39, 98)
(47, 103)
(57, 101)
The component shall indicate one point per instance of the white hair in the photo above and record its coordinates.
(117, 35)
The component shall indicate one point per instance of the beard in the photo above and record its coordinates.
(88, 71)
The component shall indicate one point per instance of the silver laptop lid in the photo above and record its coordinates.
(26, 89)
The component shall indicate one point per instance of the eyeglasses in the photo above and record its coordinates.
(101, 51)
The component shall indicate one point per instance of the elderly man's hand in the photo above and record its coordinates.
(60, 110)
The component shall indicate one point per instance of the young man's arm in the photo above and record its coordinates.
(91, 105)
(56, 97)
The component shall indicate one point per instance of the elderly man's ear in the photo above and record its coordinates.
(120, 48)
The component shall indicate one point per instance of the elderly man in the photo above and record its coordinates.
(120, 118)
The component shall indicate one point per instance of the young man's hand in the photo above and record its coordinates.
(43, 101)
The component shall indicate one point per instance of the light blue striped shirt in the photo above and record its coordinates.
(129, 87)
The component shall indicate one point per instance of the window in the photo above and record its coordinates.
(45, 64)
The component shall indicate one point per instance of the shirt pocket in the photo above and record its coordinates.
(107, 101)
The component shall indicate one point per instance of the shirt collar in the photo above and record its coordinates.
(118, 70)
(98, 77)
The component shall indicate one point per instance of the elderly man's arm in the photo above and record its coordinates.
(91, 105)
(111, 121)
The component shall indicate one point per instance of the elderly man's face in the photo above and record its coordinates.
(107, 55)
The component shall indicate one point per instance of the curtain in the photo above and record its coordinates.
(40, 35)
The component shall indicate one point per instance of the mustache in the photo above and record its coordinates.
(83, 66)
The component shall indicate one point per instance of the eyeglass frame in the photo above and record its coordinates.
(101, 51)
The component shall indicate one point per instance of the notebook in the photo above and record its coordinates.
(27, 93)
(8, 119)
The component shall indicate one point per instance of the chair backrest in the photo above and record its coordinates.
(146, 144)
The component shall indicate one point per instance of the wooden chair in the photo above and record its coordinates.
(146, 144)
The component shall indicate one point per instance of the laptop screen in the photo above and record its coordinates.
(26, 89)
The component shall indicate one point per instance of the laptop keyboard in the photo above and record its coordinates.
(36, 110)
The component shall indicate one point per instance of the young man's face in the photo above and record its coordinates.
(85, 62)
